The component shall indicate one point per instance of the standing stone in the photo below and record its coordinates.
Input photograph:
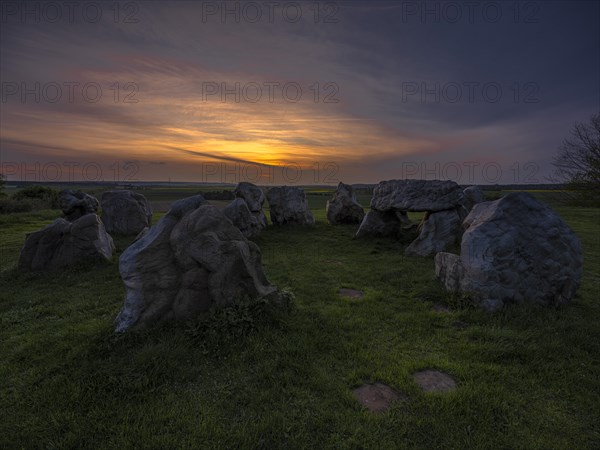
(449, 270)
(254, 198)
(438, 231)
(343, 207)
(289, 206)
(62, 244)
(252, 195)
(514, 250)
(247, 222)
(472, 196)
(191, 260)
(125, 212)
(75, 204)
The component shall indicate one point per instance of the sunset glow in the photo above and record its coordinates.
(175, 91)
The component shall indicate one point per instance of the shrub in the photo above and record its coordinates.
(2, 183)
(227, 326)
(9, 205)
(41, 197)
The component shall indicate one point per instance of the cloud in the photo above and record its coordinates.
(373, 55)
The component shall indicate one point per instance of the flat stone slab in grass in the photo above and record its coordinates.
(352, 293)
(439, 308)
(434, 381)
(377, 397)
(333, 262)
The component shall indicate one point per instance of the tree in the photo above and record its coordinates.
(578, 161)
(2, 181)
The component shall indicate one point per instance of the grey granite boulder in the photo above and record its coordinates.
(343, 207)
(125, 212)
(438, 230)
(193, 259)
(249, 223)
(75, 204)
(62, 244)
(449, 270)
(289, 206)
(252, 195)
(514, 250)
(254, 198)
(473, 195)
(416, 195)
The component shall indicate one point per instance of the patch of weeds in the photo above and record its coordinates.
(394, 277)
(461, 300)
(432, 292)
(229, 325)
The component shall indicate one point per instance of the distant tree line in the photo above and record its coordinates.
(28, 199)
(218, 195)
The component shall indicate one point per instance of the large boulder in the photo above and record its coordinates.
(288, 205)
(75, 204)
(438, 231)
(194, 258)
(514, 250)
(252, 195)
(416, 195)
(473, 195)
(254, 198)
(125, 212)
(249, 223)
(343, 207)
(62, 244)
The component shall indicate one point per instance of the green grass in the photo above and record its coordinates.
(528, 378)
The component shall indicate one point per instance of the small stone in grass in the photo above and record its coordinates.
(438, 307)
(352, 293)
(334, 262)
(434, 381)
(377, 397)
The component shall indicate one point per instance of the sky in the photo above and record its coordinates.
(294, 92)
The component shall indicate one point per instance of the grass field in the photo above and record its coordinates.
(527, 377)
